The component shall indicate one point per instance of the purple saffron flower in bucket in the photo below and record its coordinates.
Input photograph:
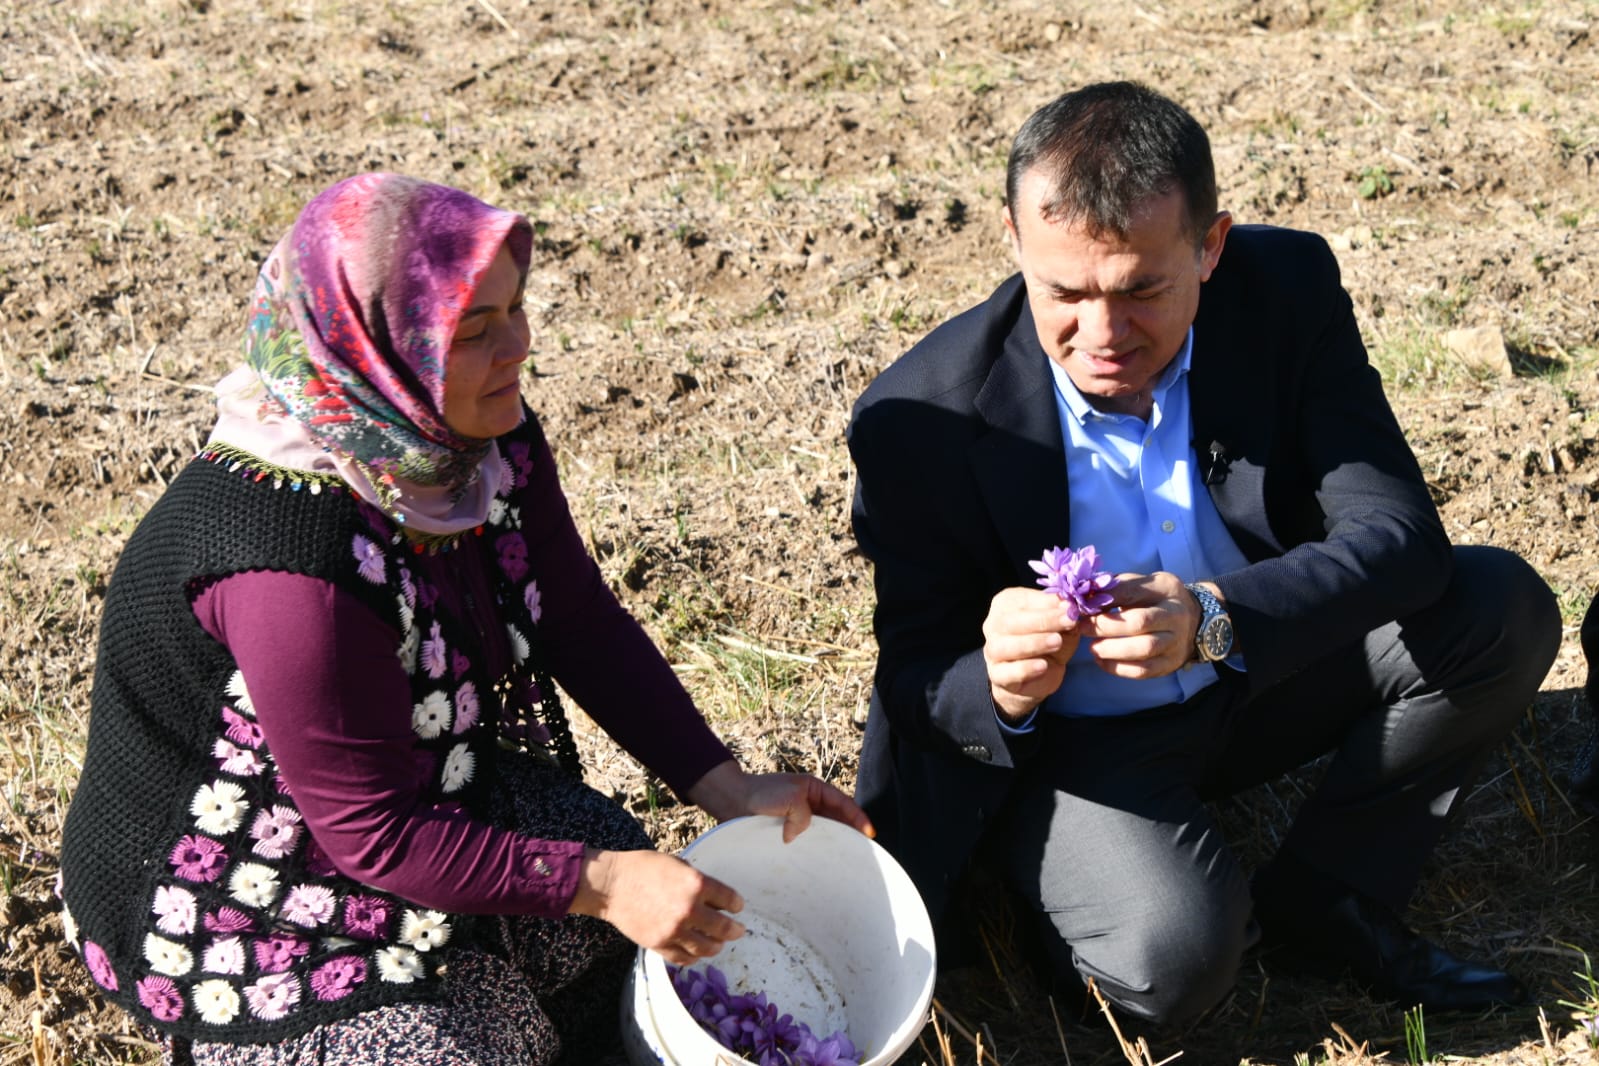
(1076, 578)
(753, 1028)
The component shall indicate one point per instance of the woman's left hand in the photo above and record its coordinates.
(726, 791)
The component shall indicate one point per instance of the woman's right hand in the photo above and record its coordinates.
(659, 902)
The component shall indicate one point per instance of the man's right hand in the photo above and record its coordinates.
(1027, 642)
(658, 901)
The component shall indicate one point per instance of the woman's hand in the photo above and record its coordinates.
(659, 902)
(726, 791)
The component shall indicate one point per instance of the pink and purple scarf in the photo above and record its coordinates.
(349, 330)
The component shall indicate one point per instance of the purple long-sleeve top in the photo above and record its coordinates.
(334, 704)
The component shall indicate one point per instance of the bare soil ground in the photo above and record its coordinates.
(745, 211)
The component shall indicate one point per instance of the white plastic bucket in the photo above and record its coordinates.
(836, 935)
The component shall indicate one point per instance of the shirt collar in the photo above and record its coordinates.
(1079, 407)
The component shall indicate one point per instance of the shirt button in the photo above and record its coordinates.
(1167, 526)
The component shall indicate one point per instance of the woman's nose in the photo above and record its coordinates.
(514, 345)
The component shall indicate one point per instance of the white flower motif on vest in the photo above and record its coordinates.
(432, 716)
(218, 808)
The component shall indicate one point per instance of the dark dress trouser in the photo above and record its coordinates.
(1108, 836)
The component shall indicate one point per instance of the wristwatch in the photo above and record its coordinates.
(1214, 639)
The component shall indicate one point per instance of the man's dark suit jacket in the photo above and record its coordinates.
(961, 478)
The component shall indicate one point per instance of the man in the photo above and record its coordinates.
(1192, 398)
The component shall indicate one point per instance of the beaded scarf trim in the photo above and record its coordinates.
(254, 468)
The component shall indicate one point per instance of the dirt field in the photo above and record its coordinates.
(745, 211)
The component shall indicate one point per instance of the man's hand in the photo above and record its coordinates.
(1027, 642)
(659, 902)
(1149, 631)
(726, 791)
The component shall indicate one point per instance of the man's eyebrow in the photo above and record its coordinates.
(1136, 285)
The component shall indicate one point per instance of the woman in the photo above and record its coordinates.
(331, 810)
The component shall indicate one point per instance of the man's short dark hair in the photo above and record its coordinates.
(1108, 147)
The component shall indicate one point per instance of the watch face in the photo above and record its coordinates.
(1216, 638)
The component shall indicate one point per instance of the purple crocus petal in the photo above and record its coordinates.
(1075, 577)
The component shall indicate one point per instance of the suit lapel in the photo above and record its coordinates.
(1222, 386)
(1020, 463)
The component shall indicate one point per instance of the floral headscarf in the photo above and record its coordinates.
(352, 318)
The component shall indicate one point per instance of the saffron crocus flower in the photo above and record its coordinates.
(1076, 578)
(752, 1027)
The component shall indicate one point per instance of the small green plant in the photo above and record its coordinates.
(1416, 1037)
(1373, 182)
(1586, 1012)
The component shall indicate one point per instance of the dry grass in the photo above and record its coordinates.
(745, 211)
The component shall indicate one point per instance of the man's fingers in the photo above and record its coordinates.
(1137, 648)
(1144, 655)
(1020, 647)
(1016, 674)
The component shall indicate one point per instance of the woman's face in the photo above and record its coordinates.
(482, 372)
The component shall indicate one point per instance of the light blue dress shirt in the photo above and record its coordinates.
(1138, 496)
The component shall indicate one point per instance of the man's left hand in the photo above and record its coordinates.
(726, 791)
(1149, 631)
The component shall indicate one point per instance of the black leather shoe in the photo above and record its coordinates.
(1359, 938)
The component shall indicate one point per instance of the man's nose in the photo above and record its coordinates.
(1099, 324)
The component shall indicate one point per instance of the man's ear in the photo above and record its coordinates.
(1010, 232)
(1215, 240)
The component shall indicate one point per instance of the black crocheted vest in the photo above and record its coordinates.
(198, 899)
